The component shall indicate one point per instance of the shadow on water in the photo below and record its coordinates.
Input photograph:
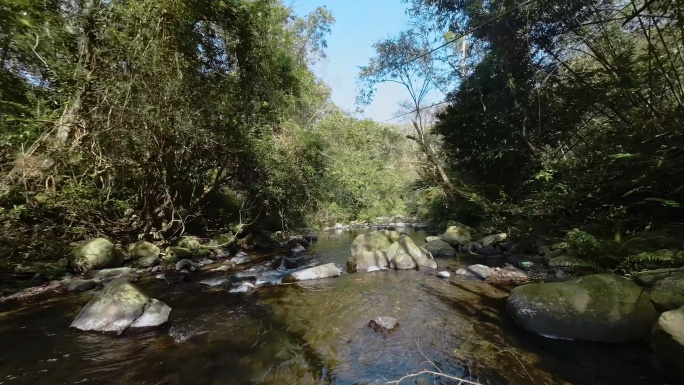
(310, 333)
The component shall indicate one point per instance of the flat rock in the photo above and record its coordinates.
(444, 274)
(110, 273)
(215, 281)
(81, 285)
(650, 277)
(324, 271)
(155, 314)
(600, 307)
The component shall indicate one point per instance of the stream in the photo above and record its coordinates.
(311, 332)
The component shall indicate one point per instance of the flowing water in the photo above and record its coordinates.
(310, 333)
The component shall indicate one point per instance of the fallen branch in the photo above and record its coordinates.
(460, 380)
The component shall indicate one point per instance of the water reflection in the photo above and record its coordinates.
(310, 333)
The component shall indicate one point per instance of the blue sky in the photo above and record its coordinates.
(359, 24)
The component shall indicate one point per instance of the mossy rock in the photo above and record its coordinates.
(175, 253)
(143, 249)
(600, 307)
(98, 253)
(190, 242)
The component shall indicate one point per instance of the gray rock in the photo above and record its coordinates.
(368, 250)
(444, 274)
(599, 307)
(667, 341)
(143, 249)
(216, 281)
(148, 261)
(405, 255)
(161, 277)
(384, 324)
(116, 308)
(476, 271)
(95, 254)
(487, 251)
(555, 253)
(569, 262)
(439, 248)
(650, 277)
(240, 258)
(81, 285)
(155, 314)
(319, 272)
(111, 273)
(155, 269)
(668, 293)
(184, 264)
(245, 287)
(493, 240)
(430, 239)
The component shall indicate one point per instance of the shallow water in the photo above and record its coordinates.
(310, 333)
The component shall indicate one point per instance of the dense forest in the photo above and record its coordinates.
(158, 118)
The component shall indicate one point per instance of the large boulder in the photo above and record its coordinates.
(667, 340)
(668, 293)
(599, 307)
(457, 235)
(324, 271)
(143, 249)
(439, 248)
(368, 260)
(120, 306)
(367, 250)
(404, 255)
(98, 253)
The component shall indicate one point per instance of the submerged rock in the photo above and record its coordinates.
(245, 287)
(118, 307)
(324, 271)
(599, 307)
(667, 340)
(384, 325)
(95, 254)
(216, 281)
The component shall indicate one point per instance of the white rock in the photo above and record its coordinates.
(444, 274)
